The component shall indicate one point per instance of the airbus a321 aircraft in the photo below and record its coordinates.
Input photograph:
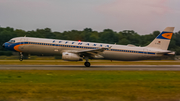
(77, 50)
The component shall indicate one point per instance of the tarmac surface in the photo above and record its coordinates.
(106, 67)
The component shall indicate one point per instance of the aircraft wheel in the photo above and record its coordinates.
(87, 64)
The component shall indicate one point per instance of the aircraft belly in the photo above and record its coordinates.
(125, 56)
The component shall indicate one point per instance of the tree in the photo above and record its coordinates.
(108, 36)
(86, 33)
(124, 41)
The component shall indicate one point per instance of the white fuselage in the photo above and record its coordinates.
(57, 47)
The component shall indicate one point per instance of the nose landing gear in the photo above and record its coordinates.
(21, 56)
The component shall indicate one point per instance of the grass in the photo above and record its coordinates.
(38, 85)
(93, 62)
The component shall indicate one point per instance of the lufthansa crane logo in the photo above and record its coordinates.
(167, 35)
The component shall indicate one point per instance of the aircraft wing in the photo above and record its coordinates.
(95, 53)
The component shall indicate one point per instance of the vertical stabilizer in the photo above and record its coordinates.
(163, 40)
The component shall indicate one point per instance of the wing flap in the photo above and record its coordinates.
(95, 53)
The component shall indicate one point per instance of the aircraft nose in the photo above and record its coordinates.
(3, 45)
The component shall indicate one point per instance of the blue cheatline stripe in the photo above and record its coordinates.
(37, 43)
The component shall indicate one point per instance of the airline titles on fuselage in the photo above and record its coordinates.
(81, 43)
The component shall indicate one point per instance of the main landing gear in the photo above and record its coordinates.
(21, 56)
(87, 64)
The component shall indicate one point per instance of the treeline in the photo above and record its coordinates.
(106, 36)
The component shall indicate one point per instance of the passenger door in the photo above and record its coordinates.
(24, 41)
(145, 53)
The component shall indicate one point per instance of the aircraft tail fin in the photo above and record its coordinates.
(162, 41)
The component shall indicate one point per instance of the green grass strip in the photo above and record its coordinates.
(38, 85)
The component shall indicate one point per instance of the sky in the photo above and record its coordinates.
(142, 16)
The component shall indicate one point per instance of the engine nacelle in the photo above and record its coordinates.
(71, 57)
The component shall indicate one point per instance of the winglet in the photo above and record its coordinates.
(110, 47)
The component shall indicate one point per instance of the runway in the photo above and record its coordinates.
(106, 67)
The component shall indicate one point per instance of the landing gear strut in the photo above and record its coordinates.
(87, 64)
(21, 56)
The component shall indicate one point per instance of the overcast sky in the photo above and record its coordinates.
(142, 16)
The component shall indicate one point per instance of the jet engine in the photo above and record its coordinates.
(71, 57)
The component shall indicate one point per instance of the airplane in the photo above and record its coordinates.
(77, 50)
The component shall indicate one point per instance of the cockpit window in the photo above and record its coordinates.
(12, 41)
